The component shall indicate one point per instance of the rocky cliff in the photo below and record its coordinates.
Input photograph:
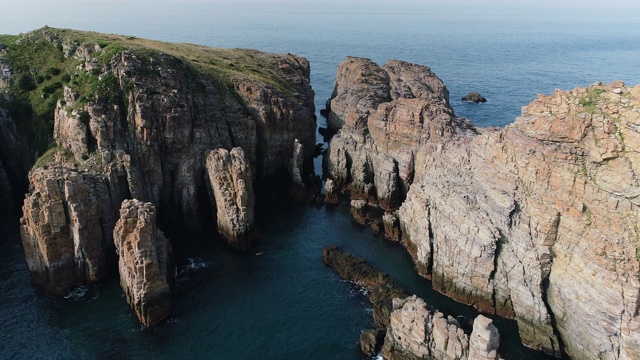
(135, 118)
(536, 221)
(387, 114)
(144, 261)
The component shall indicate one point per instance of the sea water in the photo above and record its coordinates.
(279, 301)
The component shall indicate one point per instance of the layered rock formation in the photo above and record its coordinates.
(536, 221)
(61, 230)
(407, 328)
(144, 261)
(386, 114)
(417, 332)
(137, 119)
(230, 178)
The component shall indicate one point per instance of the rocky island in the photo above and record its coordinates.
(184, 131)
(536, 221)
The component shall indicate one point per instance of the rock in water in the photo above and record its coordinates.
(474, 97)
(360, 212)
(370, 341)
(485, 340)
(231, 183)
(61, 230)
(145, 262)
(416, 332)
(330, 195)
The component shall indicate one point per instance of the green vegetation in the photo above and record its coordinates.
(591, 99)
(41, 70)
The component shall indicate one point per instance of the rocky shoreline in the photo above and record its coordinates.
(406, 327)
(503, 219)
(536, 221)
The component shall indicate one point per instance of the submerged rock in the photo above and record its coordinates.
(144, 261)
(230, 177)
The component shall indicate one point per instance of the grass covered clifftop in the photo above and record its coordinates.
(45, 61)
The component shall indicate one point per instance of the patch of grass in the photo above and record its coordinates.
(590, 101)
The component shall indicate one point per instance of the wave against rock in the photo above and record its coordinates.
(536, 221)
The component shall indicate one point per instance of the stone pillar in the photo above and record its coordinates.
(229, 176)
(145, 264)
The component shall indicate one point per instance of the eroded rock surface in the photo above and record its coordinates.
(385, 114)
(144, 261)
(61, 230)
(138, 120)
(536, 221)
(418, 332)
(230, 178)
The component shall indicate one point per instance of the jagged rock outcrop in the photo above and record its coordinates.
(536, 221)
(61, 230)
(139, 118)
(360, 212)
(418, 332)
(385, 114)
(145, 262)
(407, 328)
(298, 189)
(230, 177)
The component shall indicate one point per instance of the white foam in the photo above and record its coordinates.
(78, 293)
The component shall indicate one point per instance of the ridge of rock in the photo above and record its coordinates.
(407, 327)
(536, 221)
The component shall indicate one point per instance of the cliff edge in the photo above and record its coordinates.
(536, 221)
(122, 117)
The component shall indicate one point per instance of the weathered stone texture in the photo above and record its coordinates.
(61, 230)
(144, 261)
(536, 221)
(145, 133)
(230, 177)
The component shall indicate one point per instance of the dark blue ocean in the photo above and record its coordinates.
(279, 301)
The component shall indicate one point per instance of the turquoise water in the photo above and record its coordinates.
(284, 303)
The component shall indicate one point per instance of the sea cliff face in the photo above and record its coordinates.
(136, 118)
(536, 221)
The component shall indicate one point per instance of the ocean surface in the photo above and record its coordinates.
(280, 301)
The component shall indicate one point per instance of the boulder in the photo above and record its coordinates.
(474, 97)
